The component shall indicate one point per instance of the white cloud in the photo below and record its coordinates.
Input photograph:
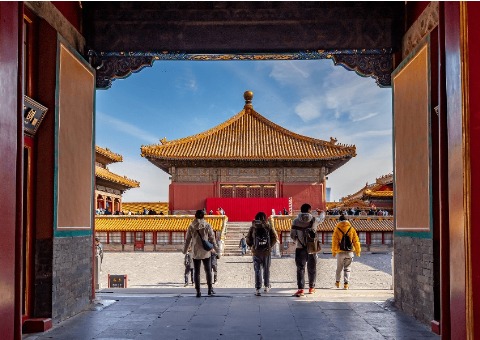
(373, 133)
(369, 115)
(309, 108)
(366, 167)
(127, 128)
(153, 181)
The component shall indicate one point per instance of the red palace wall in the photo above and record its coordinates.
(192, 196)
(189, 196)
(312, 194)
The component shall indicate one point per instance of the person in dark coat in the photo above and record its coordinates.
(261, 252)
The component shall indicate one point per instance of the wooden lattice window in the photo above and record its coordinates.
(226, 191)
(255, 191)
(241, 191)
(269, 191)
(163, 237)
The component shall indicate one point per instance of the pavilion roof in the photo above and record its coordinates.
(360, 223)
(153, 222)
(378, 189)
(112, 177)
(248, 136)
(135, 207)
(107, 153)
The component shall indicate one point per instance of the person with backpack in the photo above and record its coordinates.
(200, 235)
(304, 223)
(261, 238)
(188, 262)
(345, 242)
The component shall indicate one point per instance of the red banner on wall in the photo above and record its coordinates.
(245, 209)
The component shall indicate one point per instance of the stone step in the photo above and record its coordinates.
(234, 232)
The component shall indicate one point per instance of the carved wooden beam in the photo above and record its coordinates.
(118, 65)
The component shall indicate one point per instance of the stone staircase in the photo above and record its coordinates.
(233, 234)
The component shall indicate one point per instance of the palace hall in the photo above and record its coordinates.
(245, 165)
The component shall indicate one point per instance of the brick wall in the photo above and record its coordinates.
(413, 276)
(72, 276)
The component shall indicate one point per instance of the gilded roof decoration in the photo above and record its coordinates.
(360, 223)
(153, 222)
(108, 154)
(110, 176)
(136, 207)
(248, 136)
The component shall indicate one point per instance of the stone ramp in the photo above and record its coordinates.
(233, 234)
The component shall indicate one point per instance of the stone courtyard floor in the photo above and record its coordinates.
(163, 270)
(157, 306)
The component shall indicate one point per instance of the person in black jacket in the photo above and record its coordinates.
(261, 238)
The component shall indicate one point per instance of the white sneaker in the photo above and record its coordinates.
(257, 292)
(266, 289)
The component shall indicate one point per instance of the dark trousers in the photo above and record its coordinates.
(302, 258)
(214, 269)
(262, 261)
(188, 271)
(207, 266)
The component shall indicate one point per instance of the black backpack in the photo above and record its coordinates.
(261, 239)
(346, 242)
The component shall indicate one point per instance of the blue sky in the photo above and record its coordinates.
(175, 99)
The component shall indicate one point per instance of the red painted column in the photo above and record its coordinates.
(463, 122)
(473, 88)
(11, 144)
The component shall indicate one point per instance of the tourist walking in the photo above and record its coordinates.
(99, 251)
(261, 238)
(188, 267)
(304, 221)
(344, 242)
(213, 263)
(243, 245)
(198, 232)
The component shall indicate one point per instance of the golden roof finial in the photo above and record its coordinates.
(248, 95)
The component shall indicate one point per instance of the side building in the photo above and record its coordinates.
(109, 187)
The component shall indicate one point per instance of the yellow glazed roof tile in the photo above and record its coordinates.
(110, 176)
(137, 207)
(152, 223)
(367, 223)
(109, 154)
(248, 136)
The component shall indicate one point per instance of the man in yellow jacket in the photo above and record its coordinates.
(344, 243)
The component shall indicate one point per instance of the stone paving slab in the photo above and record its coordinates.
(157, 306)
(237, 314)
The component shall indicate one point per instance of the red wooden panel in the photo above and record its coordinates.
(245, 209)
(474, 101)
(10, 145)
